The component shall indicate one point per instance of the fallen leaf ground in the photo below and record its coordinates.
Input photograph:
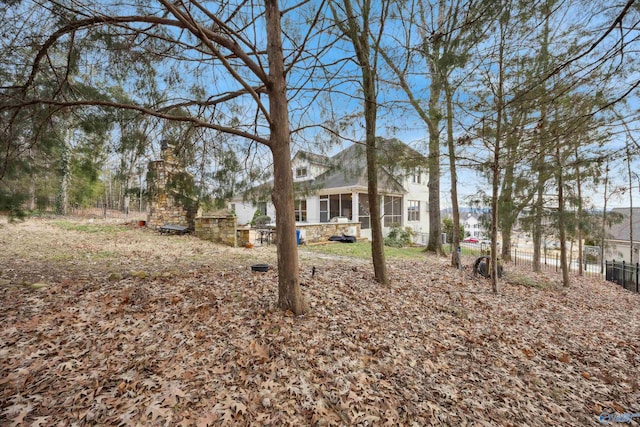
(123, 326)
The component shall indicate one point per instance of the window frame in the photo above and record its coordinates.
(392, 210)
(262, 207)
(413, 210)
(302, 172)
(300, 210)
(364, 212)
(416, 176)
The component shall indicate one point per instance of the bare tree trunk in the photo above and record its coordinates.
(494, 212)
(435, 228)
(540, 163)
(454, 176)
(630, 205)
(537, 218)
(505, 201)
(580, 213)
(289, 292)
(360, 39)
(62, 207)
(561, 222)
(604, 217)
(32, 185)
(495, 178)
(377, 240)
(370, 115)
(126, 199)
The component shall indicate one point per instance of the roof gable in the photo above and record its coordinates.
(348, 168)
(311, 158)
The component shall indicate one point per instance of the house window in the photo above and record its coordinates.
(301, 172)
(415, 176)
(324, 209)
(413, 210)
(392, 210)
(339, 205)
(301, 210)
(363, 211)
(262, 207)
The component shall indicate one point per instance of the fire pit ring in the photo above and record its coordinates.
(262, 268)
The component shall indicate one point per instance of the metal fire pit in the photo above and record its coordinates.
(262, 268)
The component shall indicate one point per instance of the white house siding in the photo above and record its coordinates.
(313, 169)
(417, 192)
(473, 227)
(313, 209)
(245, 210)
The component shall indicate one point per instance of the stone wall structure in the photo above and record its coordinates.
(165, 206)
(217, 228)
(321, 232)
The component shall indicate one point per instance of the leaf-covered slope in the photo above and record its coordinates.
(203, 345)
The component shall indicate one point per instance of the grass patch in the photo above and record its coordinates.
(89, 228)
(464, 250)
(104, 255)
(523, 280)
(61, 257)
(363, 250)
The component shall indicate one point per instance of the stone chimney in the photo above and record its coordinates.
(164, 205)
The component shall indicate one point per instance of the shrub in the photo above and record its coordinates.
(260, 220)
(399, 237)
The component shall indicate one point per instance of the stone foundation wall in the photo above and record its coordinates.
(217, 229)
(243, 235)
(321, 232)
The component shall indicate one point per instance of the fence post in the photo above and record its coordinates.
(637, 271)
(556, 263)
(624, 270)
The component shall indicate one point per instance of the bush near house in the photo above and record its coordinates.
(399, 237)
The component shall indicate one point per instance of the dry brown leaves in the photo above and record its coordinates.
(198, 342)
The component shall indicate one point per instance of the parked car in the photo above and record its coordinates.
(471, 240)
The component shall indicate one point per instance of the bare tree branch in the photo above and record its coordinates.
(145, 110)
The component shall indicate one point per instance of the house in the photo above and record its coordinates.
(618, 235)
(335, 189)
(473, 226)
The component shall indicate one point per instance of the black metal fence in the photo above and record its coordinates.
(549, 260)
(625, 275)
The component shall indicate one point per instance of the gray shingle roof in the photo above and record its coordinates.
(313, 158)
(348, 168)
